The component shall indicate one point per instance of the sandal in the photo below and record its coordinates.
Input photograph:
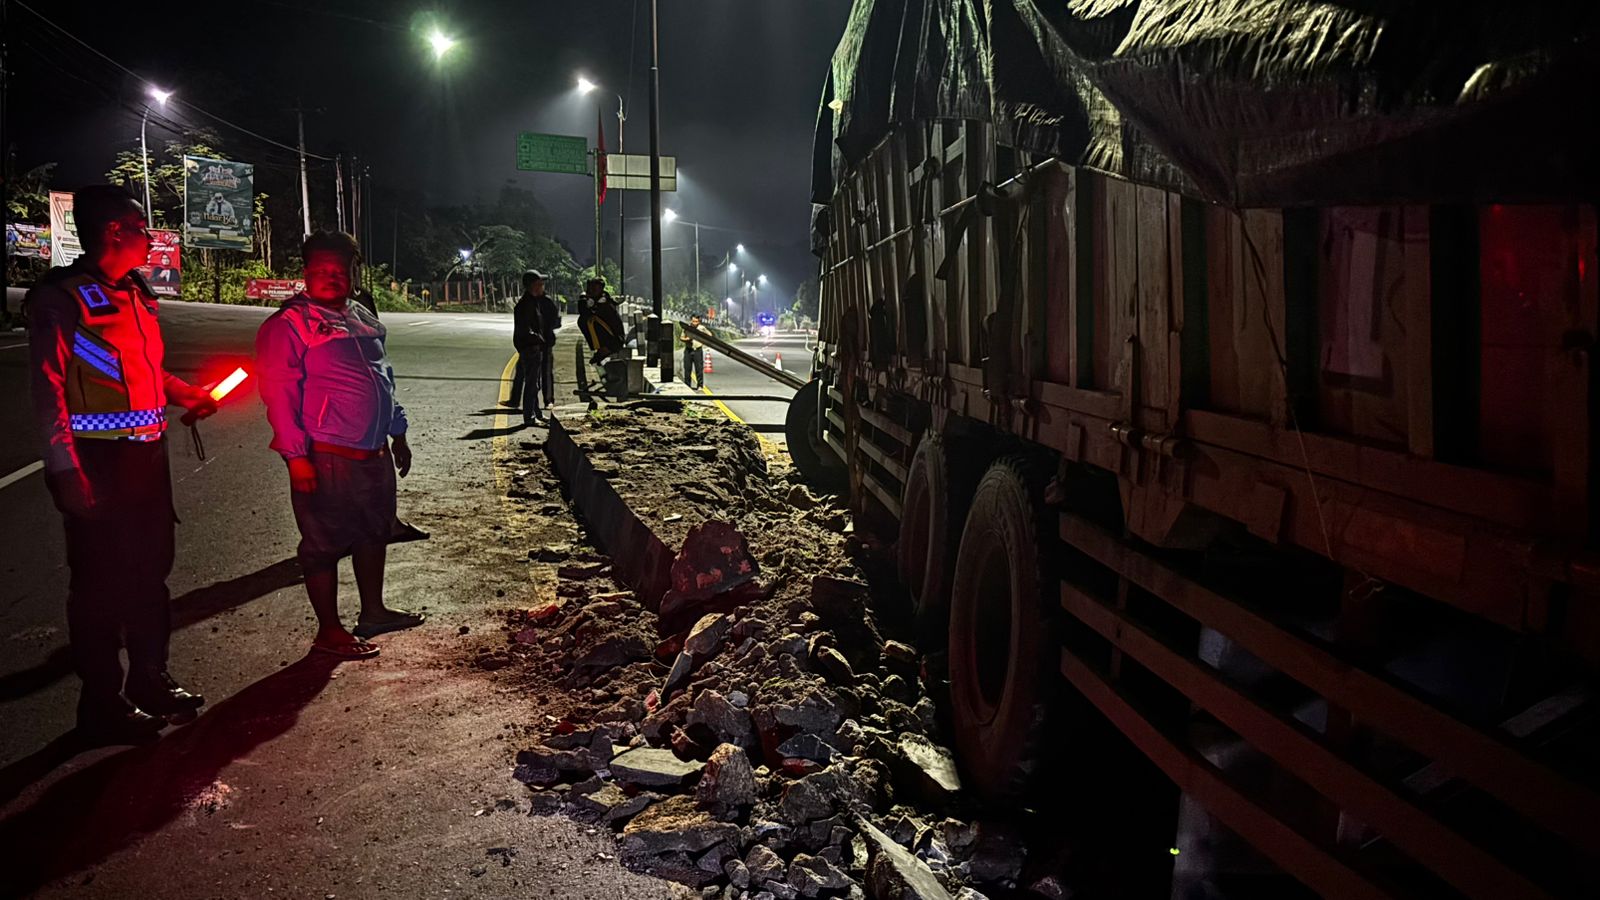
(406, 620)
(357, 649)
(405, 531)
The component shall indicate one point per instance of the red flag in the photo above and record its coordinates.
(600, 157)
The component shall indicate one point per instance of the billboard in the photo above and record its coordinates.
(64, 246)
(218, 204)
(274, 289)
(163, 269)
(27, 241)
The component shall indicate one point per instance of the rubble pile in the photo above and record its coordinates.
(757, 736)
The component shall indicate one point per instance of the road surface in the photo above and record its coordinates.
(754, 398)
(387, 778)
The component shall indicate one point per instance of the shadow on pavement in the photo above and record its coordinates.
(195, 606)
(15, 778)
(478, 434)
(112, 804)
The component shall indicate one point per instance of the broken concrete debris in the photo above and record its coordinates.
(728, 783)
(756, 736)
(649, 767)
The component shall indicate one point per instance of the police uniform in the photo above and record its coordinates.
(100, 393)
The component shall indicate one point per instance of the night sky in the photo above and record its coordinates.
(740, 82)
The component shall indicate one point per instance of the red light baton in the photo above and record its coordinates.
(223, 389)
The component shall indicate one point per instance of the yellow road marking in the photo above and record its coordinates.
(768, 445)
(724, 407)
(502, 442)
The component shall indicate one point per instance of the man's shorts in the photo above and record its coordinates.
(354, 503)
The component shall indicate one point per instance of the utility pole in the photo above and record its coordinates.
(5, 160)
(655, 192)
(355, 196)
(621, 207)
(338, 187)
(305, 189)
(366, 221)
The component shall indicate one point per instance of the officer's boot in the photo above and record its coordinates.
(158, 694)
(109, 720)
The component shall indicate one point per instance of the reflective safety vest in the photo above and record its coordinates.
(115, 376)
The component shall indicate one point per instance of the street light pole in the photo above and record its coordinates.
(305, 190)
(144, 164)
(655, 183)
(160, 97)
(622, 213)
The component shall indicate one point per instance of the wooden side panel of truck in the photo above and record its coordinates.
(1340, 457)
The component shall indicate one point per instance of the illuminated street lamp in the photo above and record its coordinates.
(585, 88)
(160, 97)
(739, 247)
(441, 43)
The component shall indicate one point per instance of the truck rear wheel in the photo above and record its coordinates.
(803, 431)
(930, 511)
(1003, 650)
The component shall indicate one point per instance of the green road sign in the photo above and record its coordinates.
(552, 153)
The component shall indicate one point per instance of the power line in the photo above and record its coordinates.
(132, 74)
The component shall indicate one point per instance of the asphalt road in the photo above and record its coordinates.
(301, 778)
(756, 399)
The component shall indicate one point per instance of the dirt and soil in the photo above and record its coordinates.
(761, 734)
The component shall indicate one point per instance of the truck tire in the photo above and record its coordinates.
(804, 435)
(1003, 651)
(931, 509)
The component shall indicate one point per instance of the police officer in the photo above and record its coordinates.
(100, 394)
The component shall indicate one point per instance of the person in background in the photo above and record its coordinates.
(100, 396)
(330, 397)
(694, 357)
(599, 320)
(535, 321)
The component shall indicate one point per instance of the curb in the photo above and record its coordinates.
(639, 558)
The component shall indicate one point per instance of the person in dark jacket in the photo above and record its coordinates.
(600, 320)
(534, 321)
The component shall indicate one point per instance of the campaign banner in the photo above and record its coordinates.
(274, 289)
(64, 245)
(163, 268)
(218, 203)
(27, 241)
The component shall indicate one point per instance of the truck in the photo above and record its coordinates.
(1223, 373)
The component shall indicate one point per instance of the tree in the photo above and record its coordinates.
(806, 300)
(501, 251)
(167, 177)
(28, 200)
(562, 273)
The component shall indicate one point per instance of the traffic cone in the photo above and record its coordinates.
(708, 361)
(777, 361)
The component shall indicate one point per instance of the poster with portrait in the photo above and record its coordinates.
(218, 204)
(163, 269)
